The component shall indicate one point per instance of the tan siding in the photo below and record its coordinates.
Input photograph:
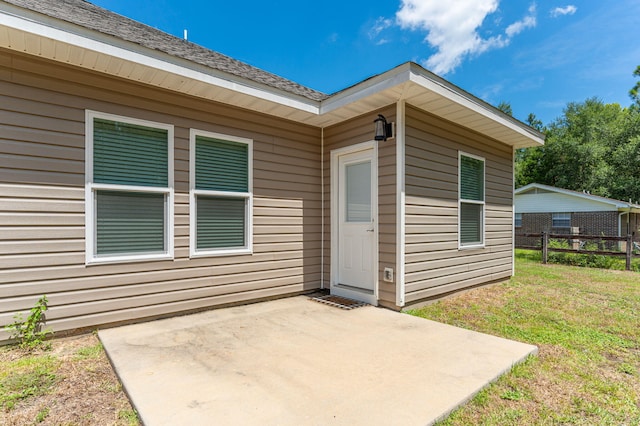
(42, 202)
(350, 133)
(433, 263)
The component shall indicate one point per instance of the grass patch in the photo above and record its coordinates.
(26, 377)
(129, 416)
(585, 323)
(90, 352)
(70, 384)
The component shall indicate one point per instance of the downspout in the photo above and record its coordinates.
(322, 208)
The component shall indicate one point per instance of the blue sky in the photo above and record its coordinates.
(536, 55)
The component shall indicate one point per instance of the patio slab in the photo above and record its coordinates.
(298, 362)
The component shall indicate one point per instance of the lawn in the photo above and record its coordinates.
(586, 324)
(71, 383)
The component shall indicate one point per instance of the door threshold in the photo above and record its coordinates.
(354, 288)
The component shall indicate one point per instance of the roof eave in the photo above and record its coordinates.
(425, 90)
(621, 206)
(40, 35)
(29, 32)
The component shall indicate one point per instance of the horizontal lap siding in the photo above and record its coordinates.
(42, 240)
(433, 263)
(353, 132)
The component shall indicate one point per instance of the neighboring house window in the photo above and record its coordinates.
(561, 220)
(471, 200)
(518, 223)
(129, 195)
(221, 194)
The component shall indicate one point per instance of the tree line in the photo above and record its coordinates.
(592, 146)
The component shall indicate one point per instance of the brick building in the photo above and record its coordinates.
(540, 208)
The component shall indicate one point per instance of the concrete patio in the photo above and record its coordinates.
(298, 362)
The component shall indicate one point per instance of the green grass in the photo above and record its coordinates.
(586, 260)
(26, 377)
(586, 325)
(90, 352)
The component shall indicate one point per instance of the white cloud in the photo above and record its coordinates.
(561, 11)
(528, 21)
(452, 28)
(378, 26)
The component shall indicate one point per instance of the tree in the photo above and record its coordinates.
(593, 146)
(505, 107)
(535, 122)
(635, 90)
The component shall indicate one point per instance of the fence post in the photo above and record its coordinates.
(575, 243)
(629, 251)
(545, 246)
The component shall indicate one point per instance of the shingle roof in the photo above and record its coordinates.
(88, 15)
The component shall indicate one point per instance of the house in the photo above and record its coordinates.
(143, 176)
(542, 208)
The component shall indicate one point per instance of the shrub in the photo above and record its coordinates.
(29, 333)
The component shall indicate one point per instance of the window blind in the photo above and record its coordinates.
(130, 222)
(221, 165)
(220, 222)
(470, 223)
(471, 179)
(129, 154)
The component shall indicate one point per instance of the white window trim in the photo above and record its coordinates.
(566, 216)
(91, 257)
(193, 193)
(515, 220)
(480, 244)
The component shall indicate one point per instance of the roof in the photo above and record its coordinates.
(79, 33)
(88, 15)
(537, 188)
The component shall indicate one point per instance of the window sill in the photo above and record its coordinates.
(220, 253)
(128, 259)
(471, 247)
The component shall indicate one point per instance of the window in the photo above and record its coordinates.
(561, 220)
(518, 221)
(129, 194)
(221, 194)
(471, 201)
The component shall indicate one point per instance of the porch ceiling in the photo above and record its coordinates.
(41, 36)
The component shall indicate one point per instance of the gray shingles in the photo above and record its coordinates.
(88, 15)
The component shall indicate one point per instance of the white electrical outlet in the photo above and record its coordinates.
(388, 275)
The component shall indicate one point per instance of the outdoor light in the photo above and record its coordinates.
(384, 130)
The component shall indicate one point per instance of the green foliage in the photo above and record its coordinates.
(130, 416)
(535, 122)
(593, 147)
(29, 333)
(42, 415)
(26, 377)
(635, 90)
(505, 107)
(90, 352)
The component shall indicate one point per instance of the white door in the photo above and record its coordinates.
(355, 208)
